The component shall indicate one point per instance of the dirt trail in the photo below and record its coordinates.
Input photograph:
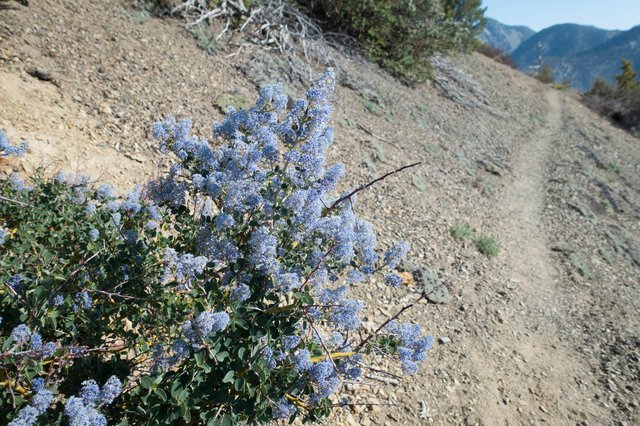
(530, 374)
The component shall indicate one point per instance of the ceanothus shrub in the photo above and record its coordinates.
(218, 294)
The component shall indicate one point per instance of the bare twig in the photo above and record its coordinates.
(370, 132)
(335, 367)
(367, 185)
(11, 200)
(383, 379)
(400, 312)
(111, 294)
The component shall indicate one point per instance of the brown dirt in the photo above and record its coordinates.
(546, 332)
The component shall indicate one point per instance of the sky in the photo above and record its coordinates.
(539, 14)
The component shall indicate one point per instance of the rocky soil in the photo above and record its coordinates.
(545, 332)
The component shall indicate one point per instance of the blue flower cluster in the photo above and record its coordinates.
(326, 380)
(40, 402)
(22, 334)
(83, 410)
(3, 236)
(411, 348)
(9, 150)
(283, 410)
(206, 323)
(182, 267)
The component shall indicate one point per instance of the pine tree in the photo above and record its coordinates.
(470, 14)
(627, 80)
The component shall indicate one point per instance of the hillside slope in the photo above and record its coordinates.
(545, 332)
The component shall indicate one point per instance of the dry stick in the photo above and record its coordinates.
(375, 333)
(383, 379)
(320, 262)
(11, 200)
(353, 404)
(86, 261)
(110, 294)
(370, 132)
(365, 186)
(335, 367)
(379, 371)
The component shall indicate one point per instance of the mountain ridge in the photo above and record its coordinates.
(578, 54)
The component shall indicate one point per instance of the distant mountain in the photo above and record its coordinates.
(580, 54)
(559, 41)
(505, 37)
(602, 61)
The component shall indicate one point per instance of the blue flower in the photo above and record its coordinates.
(268, 357)
(106, 191)
(83, 301)
(42, 400)
(90, 208)
(350, 367)
(393, 280)
(412, 348)
(301, 361)
(3, 236)
(47, 350)
(110, 390)
(57, 300)
(82, 415)
(183, 267)
(8, 150)
(132, 204)
(290, 342)
(94, 234)
(345, 316)
(27, 416)
(264, 249)
(210, 322)
(15, 282)
(36, 342)
(224, 221)
(21, 334)
(287, 281)
(240, 293)
(90, 392)
(396, 253)
(282, 410)
(326, 379)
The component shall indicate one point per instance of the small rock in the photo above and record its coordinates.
(105, 109)
(444, 340)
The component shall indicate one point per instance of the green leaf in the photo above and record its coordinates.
(146, 382)
(186, 414)
(239, 384)
(228, 378)
(199, 356)
(161, 394)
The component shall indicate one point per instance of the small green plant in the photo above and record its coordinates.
(461, 231)
(545, 75)
(606, 256)
(205, 38)
(579, 264)
(487, 246)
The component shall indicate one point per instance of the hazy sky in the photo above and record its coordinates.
(539, 14)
